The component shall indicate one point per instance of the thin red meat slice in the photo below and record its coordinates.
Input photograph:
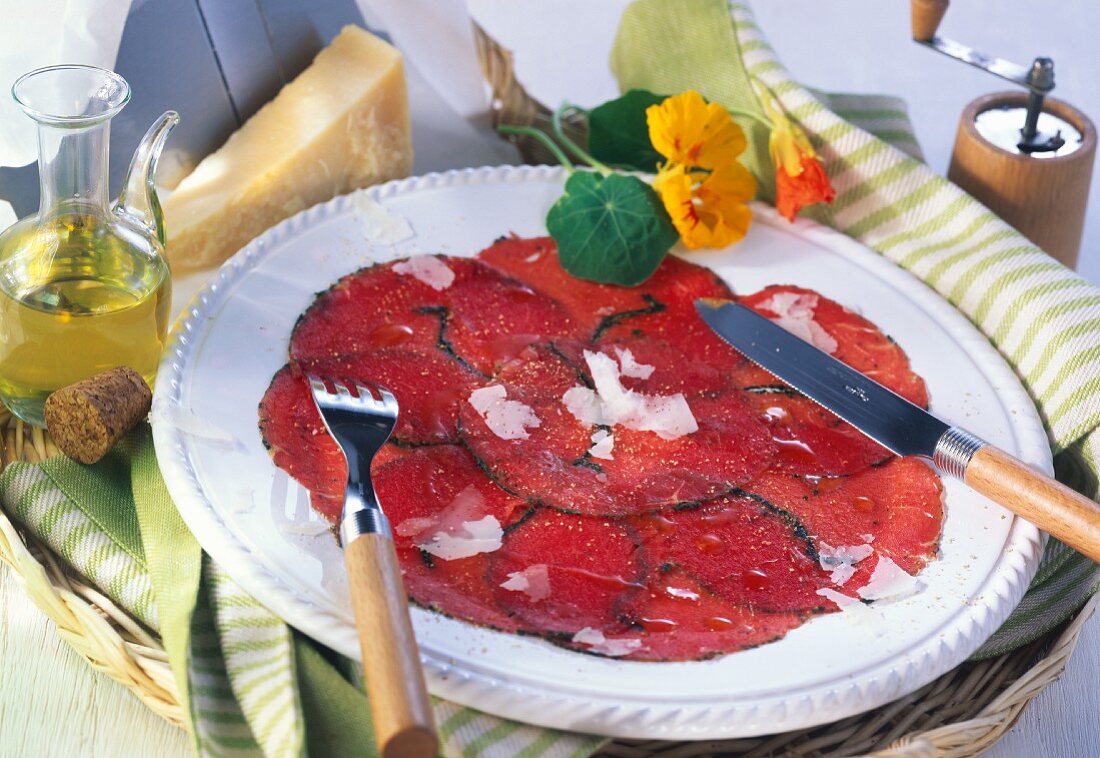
(429, 389)
(299, 444)
(372, 308)
(899, 504)
(599, 307)
(551, 466)
(859, 343)
(589, 563)
(493, 318)
(419, 493)
(744, 553)
(676, 618)
(480, 319)
(811, 440)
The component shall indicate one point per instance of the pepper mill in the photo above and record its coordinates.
(1024, 155)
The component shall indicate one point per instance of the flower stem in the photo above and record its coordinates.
(572, 146)
(751, 116)
(543, 138)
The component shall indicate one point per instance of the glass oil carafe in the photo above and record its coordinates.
(84, 285)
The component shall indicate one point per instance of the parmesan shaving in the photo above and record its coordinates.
(668, 416)
(380, 224)
(682, 593)
(596, 642)
(507, 419)
(602, 443)
(473, 537)
(428, 269)
(889, 582)
(849, 606)
(459, 530)
(795, 313)
(841, 561)
(631, 367)
(533, 581)
(583, 404)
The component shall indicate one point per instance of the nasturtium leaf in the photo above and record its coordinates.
(610, 229)
(618, 133)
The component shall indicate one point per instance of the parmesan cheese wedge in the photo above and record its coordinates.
(342, 124)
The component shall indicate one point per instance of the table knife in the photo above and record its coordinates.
(907, 429)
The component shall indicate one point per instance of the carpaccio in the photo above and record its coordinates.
(592, 464)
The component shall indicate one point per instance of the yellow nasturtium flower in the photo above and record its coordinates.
(708, 209)
(702, 185)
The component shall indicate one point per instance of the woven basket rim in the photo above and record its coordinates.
(115, 643)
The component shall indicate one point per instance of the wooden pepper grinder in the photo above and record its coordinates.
(1024, 155)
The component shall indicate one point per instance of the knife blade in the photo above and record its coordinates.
(905, 428)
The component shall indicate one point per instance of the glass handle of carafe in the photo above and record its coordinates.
(138, 200)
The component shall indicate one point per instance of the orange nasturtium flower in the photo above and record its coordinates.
(800, 178)
(702, 186)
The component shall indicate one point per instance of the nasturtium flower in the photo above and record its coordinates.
(702, 186)
(708, 208)
(688, 130)
(800, 178)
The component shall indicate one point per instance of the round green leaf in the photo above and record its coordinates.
(610, 229)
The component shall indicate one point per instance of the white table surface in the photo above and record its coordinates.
(53, 704)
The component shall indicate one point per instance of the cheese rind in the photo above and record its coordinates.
(342, 124)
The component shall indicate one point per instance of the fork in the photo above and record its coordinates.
(360, 417)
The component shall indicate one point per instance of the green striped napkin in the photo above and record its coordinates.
(1043, 318)
(249, 683)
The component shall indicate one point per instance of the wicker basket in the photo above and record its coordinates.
(960, 714)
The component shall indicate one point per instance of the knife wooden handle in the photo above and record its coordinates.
(1053, 507)
(400, 709)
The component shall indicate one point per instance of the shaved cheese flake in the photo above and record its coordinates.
(841, 561)
(458, 530)
(669, 416)
(533, 581)
(428, 269)
(631, 367)
(868, 537)
(850, 607)
(380, 224)
(596, 642)
(795, 313)
(889, 582)
(584, 404)
(602, 443)
(507, 419)
(681, 593)
(481, 536)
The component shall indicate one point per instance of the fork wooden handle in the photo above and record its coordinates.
(1053, 507)
(400, 709)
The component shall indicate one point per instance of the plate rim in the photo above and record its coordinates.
(613, 716)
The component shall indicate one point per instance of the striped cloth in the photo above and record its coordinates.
(251, 685)
(1043, 318)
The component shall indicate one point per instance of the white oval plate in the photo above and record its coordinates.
(256, 523)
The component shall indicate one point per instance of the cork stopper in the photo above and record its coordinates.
(926, 16)
(86, 419)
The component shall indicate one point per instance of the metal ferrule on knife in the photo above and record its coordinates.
(954, 451)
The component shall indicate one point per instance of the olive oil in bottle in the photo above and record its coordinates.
(77, 299)
(84, 284)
